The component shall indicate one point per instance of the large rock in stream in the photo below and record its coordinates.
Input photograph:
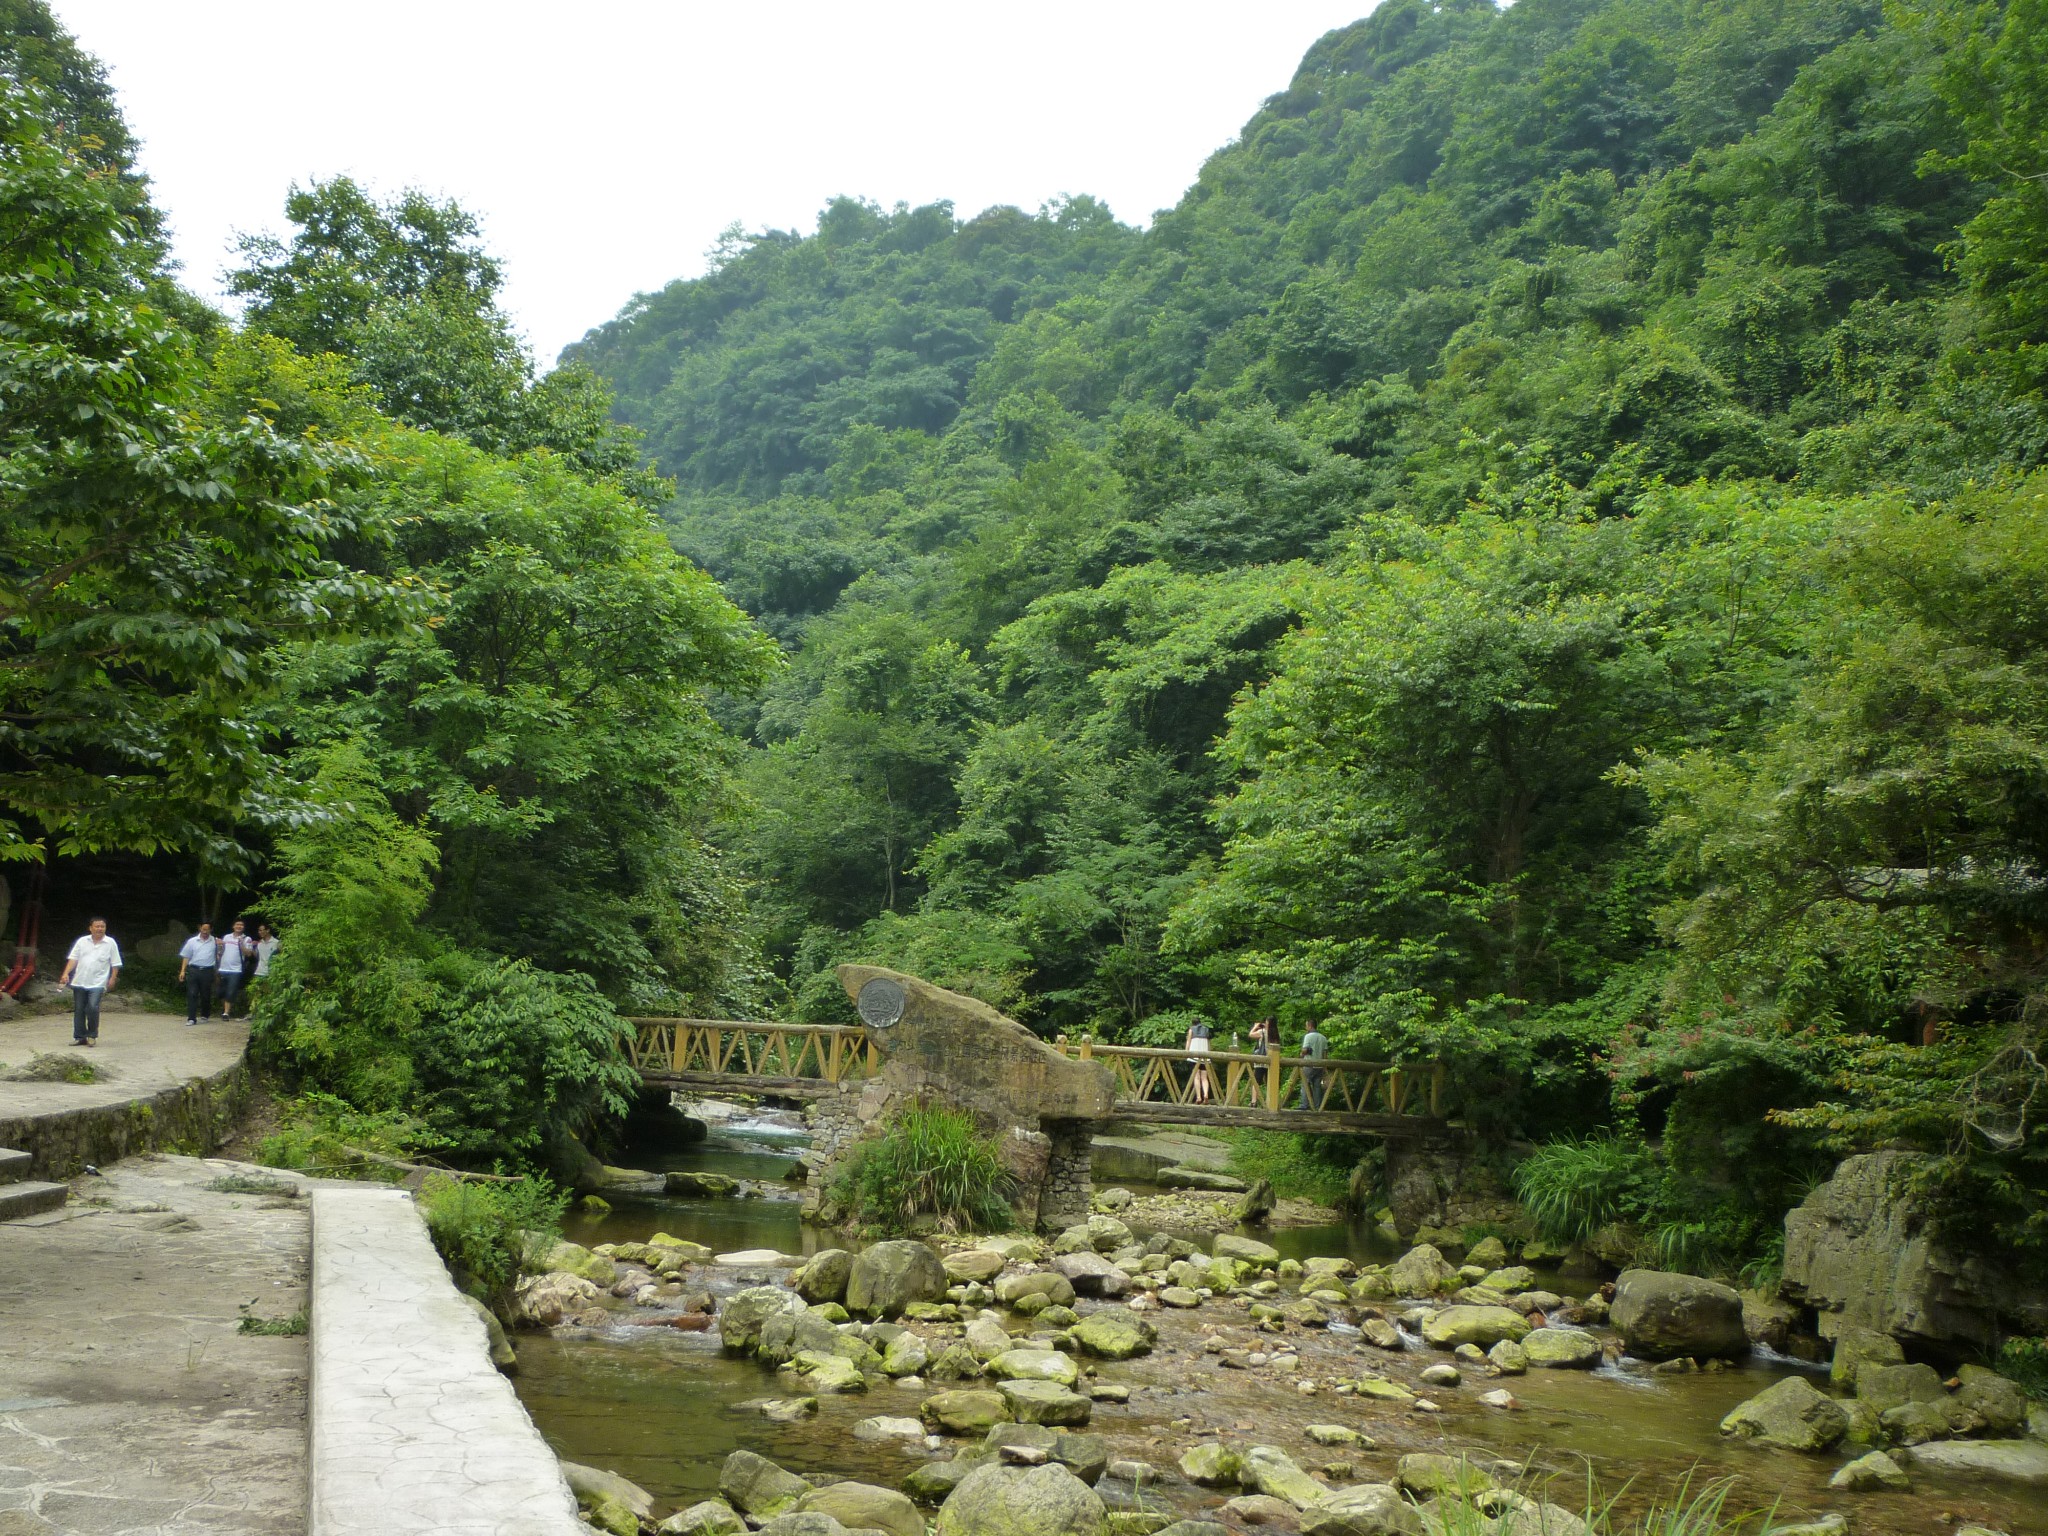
(741, 1321)
(890, 1276)
(864, 1507)
(995, 1500)
(1663, 1316)
(1482, 1326)
(1791, 1415)
(758, 1488)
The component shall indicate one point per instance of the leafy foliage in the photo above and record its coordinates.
(482, 1229)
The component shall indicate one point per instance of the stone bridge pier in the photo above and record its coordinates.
(939, 1048)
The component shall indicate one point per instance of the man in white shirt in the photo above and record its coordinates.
(266, 946)
(237, 952)
(197, 962)
(90, 971)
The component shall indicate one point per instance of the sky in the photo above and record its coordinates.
(605, 146)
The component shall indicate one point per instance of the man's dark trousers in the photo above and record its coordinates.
(85, 1012)
(198, 991)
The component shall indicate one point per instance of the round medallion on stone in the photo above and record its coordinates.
(880, 1003)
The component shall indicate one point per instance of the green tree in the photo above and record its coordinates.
(150, 567)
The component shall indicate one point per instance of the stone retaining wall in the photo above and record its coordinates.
(412, 1428)
(194, 1118)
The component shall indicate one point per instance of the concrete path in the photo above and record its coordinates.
(139, 1054)
(413, 1429)
(129, 1402)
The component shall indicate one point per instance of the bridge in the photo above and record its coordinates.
(811, 1061)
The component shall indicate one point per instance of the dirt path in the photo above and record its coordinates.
(129, 1402)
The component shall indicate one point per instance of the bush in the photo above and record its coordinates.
(1574, 1187)
(930, 1169)
(2025, 1362)
(318, 1132)
(1300, 1167)
(482, 1229)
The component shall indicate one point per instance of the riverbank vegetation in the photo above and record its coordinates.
(1535, 561)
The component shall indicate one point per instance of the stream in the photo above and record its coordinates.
(663, 1408)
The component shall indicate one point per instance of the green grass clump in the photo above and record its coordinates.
(275, 1327)
(930, 1170)
(481, 1229)
(53, 1067)
(1574, 1187)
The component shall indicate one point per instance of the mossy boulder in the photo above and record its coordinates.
(1566, 1349)
(1791, 1415)
(864, 1507)
(1044, 1402)
(1211, 1465)
(758, 1488)
(747, 1312)
(1664, 1316)
(1483, 1326)
(1115, 1333)
(995, 1500)
(967, 1412)
(1035, 1365)
(824, 1276)
(889, 1277)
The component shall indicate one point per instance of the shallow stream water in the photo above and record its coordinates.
(660, 1407)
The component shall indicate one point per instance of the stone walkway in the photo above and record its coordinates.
(129, 1402)
(139, 1054)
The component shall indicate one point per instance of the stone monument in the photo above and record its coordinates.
(942, 1048)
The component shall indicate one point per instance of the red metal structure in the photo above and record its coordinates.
(28, 942)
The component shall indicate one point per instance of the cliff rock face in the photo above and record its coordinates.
(1861, 1251)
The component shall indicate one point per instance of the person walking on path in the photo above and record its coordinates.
(266, 946)
(90, 971)
(1198, 1059)
(237, 954)
(197, 961)
(1315, 1045)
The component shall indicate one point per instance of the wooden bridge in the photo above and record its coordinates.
(1290, 1093)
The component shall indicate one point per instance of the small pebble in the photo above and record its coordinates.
(1500, 1397)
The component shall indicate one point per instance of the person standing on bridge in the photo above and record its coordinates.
(1315, 1045)
(197, 961)
(1198, 1059)
(1266, 1040)
(90, 971)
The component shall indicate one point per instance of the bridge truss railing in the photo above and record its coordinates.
(1148, 1075)
(827, 1052)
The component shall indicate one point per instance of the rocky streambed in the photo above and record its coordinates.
(1229, 1384)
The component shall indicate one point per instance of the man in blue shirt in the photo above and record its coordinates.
(197, 964)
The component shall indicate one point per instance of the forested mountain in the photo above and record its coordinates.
(1531, 560)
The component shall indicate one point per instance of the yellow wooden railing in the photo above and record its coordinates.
(833, 1053)
(1145, 1075)
(829, 1052)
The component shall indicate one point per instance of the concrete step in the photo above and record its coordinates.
(14, 1165)
(30, 1199)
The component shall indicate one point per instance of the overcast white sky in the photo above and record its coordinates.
(604, 146)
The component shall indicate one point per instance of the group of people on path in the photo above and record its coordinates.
(217, 967)
(1315, 1046)
(211, 967)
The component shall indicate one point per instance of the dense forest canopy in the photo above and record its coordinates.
(1488, 571)
(1534, 562)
